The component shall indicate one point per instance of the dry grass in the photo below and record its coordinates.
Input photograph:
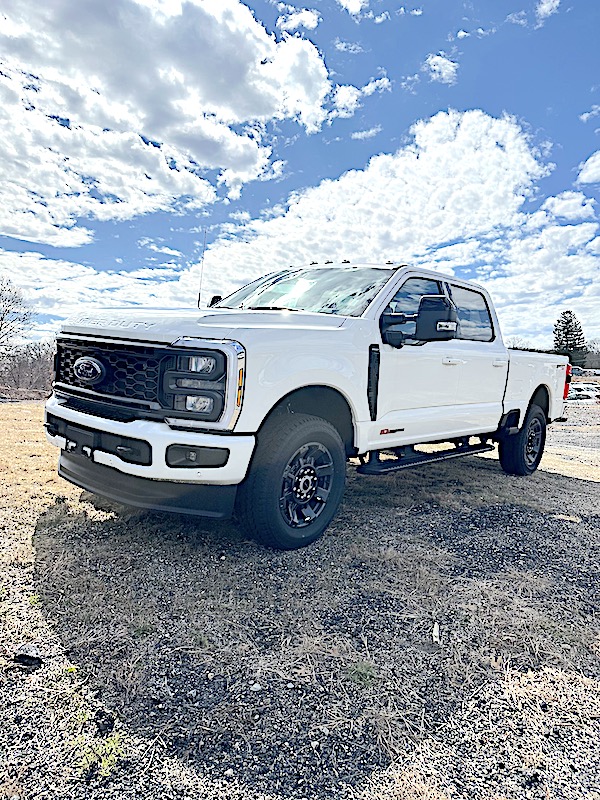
(442, 641)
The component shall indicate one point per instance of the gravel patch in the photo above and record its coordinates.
(442, 641)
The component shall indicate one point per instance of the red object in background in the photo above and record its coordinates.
(567, 381)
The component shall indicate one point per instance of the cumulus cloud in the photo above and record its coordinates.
(298, 18)
(441, 68)
(347, 99)
(590, 170)
(451, 198)
(545, 9)
(353, 7)
(593, 112)
(130, 107)
(571, 205)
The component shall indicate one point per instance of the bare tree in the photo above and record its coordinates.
(15, 314)
(518, 343)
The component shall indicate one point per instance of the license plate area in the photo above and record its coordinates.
(80, 442)
(84, 441)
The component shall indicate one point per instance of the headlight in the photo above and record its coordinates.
(195, 384)
(203, 364)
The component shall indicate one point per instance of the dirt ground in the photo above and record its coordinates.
(442, 642)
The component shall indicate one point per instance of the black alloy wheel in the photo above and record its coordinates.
(295, 482)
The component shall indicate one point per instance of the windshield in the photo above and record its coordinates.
(337, 290)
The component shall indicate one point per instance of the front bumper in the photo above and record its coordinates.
(186, 498)
(160, 436)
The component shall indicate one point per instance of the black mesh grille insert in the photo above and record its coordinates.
(130, 372)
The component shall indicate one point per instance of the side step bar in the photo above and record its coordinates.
(408, 457)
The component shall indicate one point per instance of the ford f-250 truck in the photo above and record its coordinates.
(256, 403)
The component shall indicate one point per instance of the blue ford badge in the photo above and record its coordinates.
(89, 370)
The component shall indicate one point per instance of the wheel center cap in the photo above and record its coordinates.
(305, 484)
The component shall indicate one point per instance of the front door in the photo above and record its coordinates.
(418, 382)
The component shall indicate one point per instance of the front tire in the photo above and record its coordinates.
(521, 454)
(295, 484)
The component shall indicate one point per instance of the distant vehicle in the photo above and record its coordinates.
(257, 402)
(584, 391)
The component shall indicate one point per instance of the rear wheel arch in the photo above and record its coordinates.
(541, 398)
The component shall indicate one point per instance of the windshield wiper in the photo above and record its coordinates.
(271, 308)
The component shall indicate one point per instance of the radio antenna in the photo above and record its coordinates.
(202, 269)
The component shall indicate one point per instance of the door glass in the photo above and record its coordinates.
(474, 320)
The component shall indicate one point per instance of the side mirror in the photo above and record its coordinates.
(216, 298)
(437, 319)
(391, 331)
(393, 335)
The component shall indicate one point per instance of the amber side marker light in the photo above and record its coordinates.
(240, 388)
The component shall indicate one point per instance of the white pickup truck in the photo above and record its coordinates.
(255, 404)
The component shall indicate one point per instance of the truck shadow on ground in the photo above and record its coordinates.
(295, 673)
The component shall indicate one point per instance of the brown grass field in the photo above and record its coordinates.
(441, 642)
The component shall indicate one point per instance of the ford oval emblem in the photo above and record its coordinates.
(89, 370)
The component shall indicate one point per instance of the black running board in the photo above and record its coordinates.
(375, 466)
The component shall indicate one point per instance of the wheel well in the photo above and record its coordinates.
(541, 398)
(320, 401)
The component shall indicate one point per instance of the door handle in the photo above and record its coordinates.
(452, 362)
(499, 363)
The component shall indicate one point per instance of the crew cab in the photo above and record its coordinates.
(255, 404)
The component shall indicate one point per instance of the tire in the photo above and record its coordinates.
(521, 454)
(295, 484)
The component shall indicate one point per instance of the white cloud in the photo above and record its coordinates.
(462, 34)
(347, 98)
(377, 85)
(518, 18)
(116, 128)
(367, 134)
(353, 7)
(348, 47)
(590, 170)
(451, 198)
(545, 9)
(383, 17)
(409, 82)
(149, 244)
(571, 205)
(441, 68)
(416, 12)
(377, 18)
(299, 18)
(593, 112)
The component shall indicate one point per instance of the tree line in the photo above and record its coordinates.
(26, 367)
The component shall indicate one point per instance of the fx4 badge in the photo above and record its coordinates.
(89, 370)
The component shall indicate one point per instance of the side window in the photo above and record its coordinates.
(407, 299)
(474, 321)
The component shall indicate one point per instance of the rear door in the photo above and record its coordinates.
(483, 367)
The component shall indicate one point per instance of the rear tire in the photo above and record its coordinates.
(521, 454)
(295, 484)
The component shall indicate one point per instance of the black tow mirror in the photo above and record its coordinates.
(216, 298)
(437, 319)
(391, 330)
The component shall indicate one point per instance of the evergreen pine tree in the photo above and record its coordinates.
(568, 335)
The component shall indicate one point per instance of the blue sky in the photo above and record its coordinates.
(459, 135)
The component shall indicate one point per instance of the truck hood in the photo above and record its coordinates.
(168, 324)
